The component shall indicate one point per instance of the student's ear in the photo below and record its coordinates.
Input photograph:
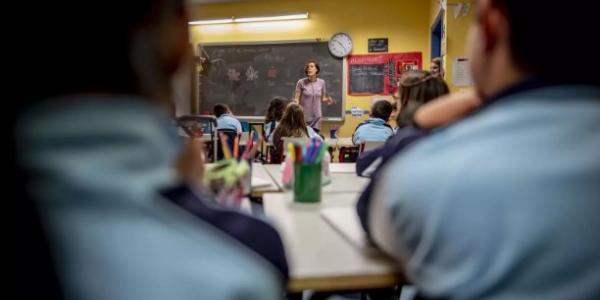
(493, 24)
(175, 36)
(158, 49)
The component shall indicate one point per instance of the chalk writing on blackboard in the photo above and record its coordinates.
(247, 76)
(367, 78)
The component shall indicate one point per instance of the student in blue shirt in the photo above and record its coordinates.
(376, 127)
(225, 118)
(99, 152)
(504, 203)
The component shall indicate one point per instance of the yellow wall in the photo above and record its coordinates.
(457, 30)
(456, 34)
(434, 10)
(404, 22)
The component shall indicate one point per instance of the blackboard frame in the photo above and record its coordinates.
(343, 79)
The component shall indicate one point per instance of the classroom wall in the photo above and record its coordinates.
(434, 9)
(404, 22)
(457, 30)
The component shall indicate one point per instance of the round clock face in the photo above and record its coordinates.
(340, 44)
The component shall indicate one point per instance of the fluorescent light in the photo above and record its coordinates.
(250, 19)
(272, 18)
(211, 22)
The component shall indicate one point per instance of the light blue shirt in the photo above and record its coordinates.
(227, 121)
(502, 205)
(269, 130)
(373, 129)
(97, 167)
(312, 133)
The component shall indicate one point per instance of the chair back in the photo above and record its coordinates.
(231, 135)
(370, 145)
(201, 127)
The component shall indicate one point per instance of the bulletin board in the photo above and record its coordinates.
(378, 74)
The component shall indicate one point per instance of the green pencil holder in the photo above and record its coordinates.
(307, 183)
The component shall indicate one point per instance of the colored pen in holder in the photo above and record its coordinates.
(303, 170)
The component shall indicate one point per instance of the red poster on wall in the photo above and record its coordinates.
(377, 74)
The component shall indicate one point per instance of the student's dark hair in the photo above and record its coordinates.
(101, 60)
(382, 109)
(313, 62)
(62, 59)
(417, 88)
(220, 109)
(276, 108)
(548, 48)
(437, 61)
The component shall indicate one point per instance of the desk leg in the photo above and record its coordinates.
(256, 206)
(294, 296)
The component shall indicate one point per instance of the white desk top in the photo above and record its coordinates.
(339, 142)
(342, 168)
(340, 182)
(259, 172)
(345, 142)
(320, 258)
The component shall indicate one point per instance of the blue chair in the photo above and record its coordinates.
(245, 126)
(231, 135)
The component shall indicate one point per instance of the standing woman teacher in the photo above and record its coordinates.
(310, 92)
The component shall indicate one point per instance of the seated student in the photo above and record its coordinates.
(439, 112)
(394, 115)
(376, 127)
(274, 114)
(436, 67)
(291, 125)
(504, 204)
(415, 89)
(225, 118)
(98, 148)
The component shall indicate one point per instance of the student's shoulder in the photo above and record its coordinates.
(389, 128)
(442, 154)
(232, 118)
(363, 124)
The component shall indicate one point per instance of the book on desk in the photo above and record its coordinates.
(345, 221)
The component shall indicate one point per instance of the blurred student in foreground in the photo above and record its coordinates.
(503, 204)
(100, 155)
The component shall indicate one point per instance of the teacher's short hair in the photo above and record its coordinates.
(316, 65)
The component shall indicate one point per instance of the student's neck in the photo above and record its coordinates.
(312, 78)
(503, 73)
(503, 82)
